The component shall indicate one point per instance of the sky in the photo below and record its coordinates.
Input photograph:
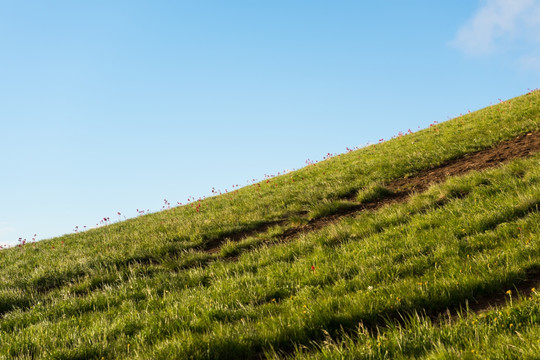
(112, 106)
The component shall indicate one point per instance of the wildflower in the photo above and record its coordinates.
(370, 287)
(509, 292)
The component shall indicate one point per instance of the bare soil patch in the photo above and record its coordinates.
(519, 147)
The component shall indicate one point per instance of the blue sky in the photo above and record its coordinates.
(110, 106)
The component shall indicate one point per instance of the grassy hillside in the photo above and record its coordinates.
(397, 250)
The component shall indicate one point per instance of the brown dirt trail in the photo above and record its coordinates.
(519, 147)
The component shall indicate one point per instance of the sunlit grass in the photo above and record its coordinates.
(367, 285)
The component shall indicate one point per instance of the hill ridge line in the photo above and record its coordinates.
(521, 146)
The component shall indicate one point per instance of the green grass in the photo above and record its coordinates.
(510, 332)
(372, 193)
(366, 286)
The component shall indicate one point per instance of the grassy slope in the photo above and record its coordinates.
(145, 288)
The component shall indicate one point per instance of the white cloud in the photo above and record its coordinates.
(499, 21)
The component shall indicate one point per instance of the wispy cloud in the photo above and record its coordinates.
(499, 22)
